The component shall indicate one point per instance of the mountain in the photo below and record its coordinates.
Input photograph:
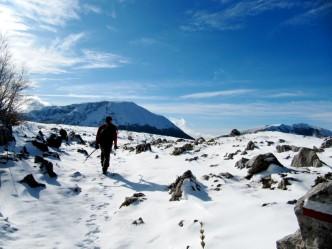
(299, 129)
(126, 115)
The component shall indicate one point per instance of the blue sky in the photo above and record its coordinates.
(209, 65)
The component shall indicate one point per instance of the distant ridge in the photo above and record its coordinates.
(126, 115)
(299, 129)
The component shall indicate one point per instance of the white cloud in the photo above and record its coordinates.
(233, 17)
(286, 94)
(202, 95)
(94, 59)
(183, 125)
(92, 8)
(45, 52)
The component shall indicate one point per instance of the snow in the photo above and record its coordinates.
(59, 217)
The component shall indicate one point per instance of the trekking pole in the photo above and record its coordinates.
(89, 155)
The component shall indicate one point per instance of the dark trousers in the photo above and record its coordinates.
(105, 157)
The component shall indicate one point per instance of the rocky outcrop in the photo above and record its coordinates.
(327, 144)
(76, 138)
(199, 140)
(135, 198)
(31, 182)
(176, 188)
(241, 164)
(54, 141)
(258, 163)
(251, 146)
(143, 147)
(234, 133)
(314, 215)
(306, 158)
(40, 145)
(180, 150)
(286, 147)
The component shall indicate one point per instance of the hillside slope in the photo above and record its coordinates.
(81, 207)
(126, 115)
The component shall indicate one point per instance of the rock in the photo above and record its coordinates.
(235, 133)
(306, 158)
(40, 136)
(46, 167)
(286, 147)
(181, 223)
(226, 175)
(31, 182)
(260, 163)
(268, 204)
(244, 152)
(314, 231)
(180, 150)
(40, 145)
(135, 198)
(176, 188)
(156, 157)
(281, 141)
(314, 215)
(206, 177)
(76, 138)
(320, 179)
(199, 140)
(6, 135)
(293, 241)
(292, 202)
(54, 141)
(139, 221)
(267, 182)
(83, 151)
(317, 150)
(192, 159)
(204, 155)
(327, 144)
(63, 134)
(269, 143)
(39, 159)
(251, 146)
(143, 147)
(283, 184)
(241, 164)
(127, 147)
(51, 154)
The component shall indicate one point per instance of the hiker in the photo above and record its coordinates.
(106, 135)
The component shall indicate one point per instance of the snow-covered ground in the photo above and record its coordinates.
(233, 218)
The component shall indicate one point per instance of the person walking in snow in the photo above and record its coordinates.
(107, 135)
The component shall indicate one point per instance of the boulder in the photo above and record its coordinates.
(286, 147)
(143, 147)
(46, 167)
(40, 145)
(314, 215)
(176, 188)
(83, 151)
(306, 158)
(251, 146)
(64, 135)
(31, 182)
(76, 138)
(260, 163)
(234, 133)
(327, 144)
(267, 182)
(180, 150)
(54, 141)
(199, 140)
(135, 198)
(241, 164)
(320, 179)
